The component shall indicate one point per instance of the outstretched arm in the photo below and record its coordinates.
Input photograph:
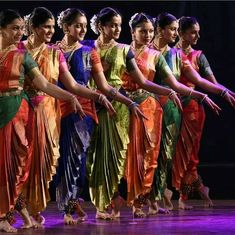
(41, 83)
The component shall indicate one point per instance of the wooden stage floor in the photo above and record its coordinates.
(219, 220)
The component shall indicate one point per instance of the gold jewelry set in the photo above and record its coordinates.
(4, 53)
(102, 45)
(186, 50)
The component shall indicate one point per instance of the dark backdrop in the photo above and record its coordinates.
(217, 21)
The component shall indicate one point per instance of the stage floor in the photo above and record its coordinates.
(219, 220)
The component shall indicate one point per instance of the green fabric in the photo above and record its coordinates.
(204, 66)
(9, 105)
(170, 131)
(162, 70)
(107, 153)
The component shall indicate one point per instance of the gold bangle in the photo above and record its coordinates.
(204, 97)
(113, 92)
(190, 92)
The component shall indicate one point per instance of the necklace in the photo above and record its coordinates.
(102, 45)
(65, 47)
(5, 52)
(162, 50)
(186, 50)
(138, 50)
(35, 51)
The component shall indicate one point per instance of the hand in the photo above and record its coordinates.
(137, 112)
(215, 108)
(77, 107)
(106, 103)
(230, 99)
(173, 96)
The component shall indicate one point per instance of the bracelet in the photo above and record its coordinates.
(224, 92)
(190, 92)
(172, 93)
(204, 97)
(72, 97)
(132, 104)
(113, 92)
(101, 98)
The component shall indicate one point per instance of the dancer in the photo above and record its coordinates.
(16, 118)
(144, 143)
(186, 160)
(75, 134)
(40, 29)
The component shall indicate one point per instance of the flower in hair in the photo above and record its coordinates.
(93, 24)
(154, 20)
(27, 30)
(132, 18)
(60, 19)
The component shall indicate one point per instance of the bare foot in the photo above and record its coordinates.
(117, 203)
(204, 193)
(39, 218)
(183, 206)
(6, 227)
(167, 199)
(103, 215)
(26, 218)
(82, 215)
(69, 220)
(138, 212)
(35, 223)
(155, 209)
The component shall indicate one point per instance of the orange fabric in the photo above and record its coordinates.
(96, 62)
(145, 135)
(46, 129)
(87, 105)
(143, 149)
(45, 151)
(186, 158)
(16, 153)
(10, 77)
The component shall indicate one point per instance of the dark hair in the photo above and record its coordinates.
(139, 18)
(186, 22)
(39, 16)
(7, 16)
(70, 14)
(164, 19)
(106, 14)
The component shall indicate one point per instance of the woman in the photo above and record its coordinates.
(185, 175)
(16, 117)
(52, 64)
(145, 137)
(84, 62)
(166, 32)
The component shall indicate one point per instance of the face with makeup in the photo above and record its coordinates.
(78, 28)
(191, 35)
(143, 33)
(13, 32)
(112, 28)
(170, 32)
(45, 31)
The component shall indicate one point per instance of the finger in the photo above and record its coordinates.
(138, 113)
(178, 103)
(81, 113)
(110, 107)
